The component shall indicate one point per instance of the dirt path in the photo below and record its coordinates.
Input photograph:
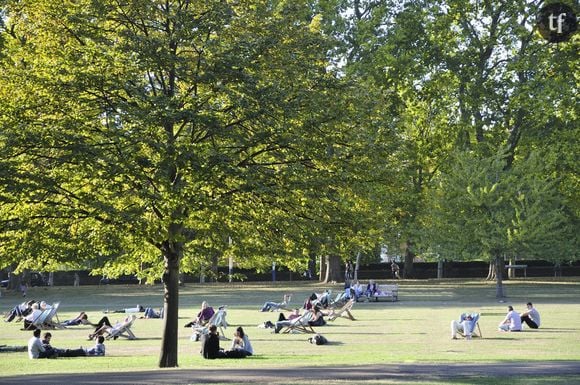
(390, 372)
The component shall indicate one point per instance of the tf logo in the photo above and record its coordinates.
(557, 22)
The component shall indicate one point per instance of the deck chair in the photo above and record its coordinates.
(472, 325)
(324, 299)
(300, 324)
(343, 312)
(277, 306)
(38, 322)
(340, 299)
(285, 304)
(49, 322)
(218, 319)
(122, 330)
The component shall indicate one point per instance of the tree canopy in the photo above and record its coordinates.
(159, 137)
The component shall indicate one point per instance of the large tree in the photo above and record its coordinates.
(483, 209)
(132, 129)
(466, 76)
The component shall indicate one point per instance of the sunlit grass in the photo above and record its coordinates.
(413, 330)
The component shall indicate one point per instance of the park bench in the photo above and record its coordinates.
(518, 267)
(386, 292)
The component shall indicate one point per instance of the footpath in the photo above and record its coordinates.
(413, 373)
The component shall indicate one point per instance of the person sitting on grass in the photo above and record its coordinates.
(210, 347)
(98, 349)
(531, 316)
(49, 351)
(205, 313)
(210, 344)
(35, 348)
(241, 342)
(511, 322)
(54, 352)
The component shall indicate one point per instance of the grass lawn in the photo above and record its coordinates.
(413, 330)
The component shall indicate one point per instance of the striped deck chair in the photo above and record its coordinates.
(38, 322)
(49, 322)
(122, 329)
(218, 319)
(343, 312)
(300, 324)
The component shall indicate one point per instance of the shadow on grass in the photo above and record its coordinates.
(335, 343)
(550, 330)
(500, 338)
(147, 339)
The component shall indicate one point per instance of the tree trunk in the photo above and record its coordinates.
(13, 280)
(214, 266)
(499, 267)
(356, 266)
(327, 269)
(440, 267)
(172, 256)
(409, 257)
(335, 273)
(202, 272)
(491, 271)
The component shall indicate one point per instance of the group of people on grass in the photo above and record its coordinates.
(512, 322)
(316, 305)
(360, 292)
(28, 312)
(240, 347)
(38, 348)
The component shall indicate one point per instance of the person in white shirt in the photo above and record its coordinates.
(511, 322)
(531, 317)
(30, 318)
(35, 348)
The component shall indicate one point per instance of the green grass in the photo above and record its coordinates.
(413, 330)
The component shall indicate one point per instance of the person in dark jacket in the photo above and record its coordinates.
(210, 344)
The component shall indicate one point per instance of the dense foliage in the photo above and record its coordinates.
(156, 137)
